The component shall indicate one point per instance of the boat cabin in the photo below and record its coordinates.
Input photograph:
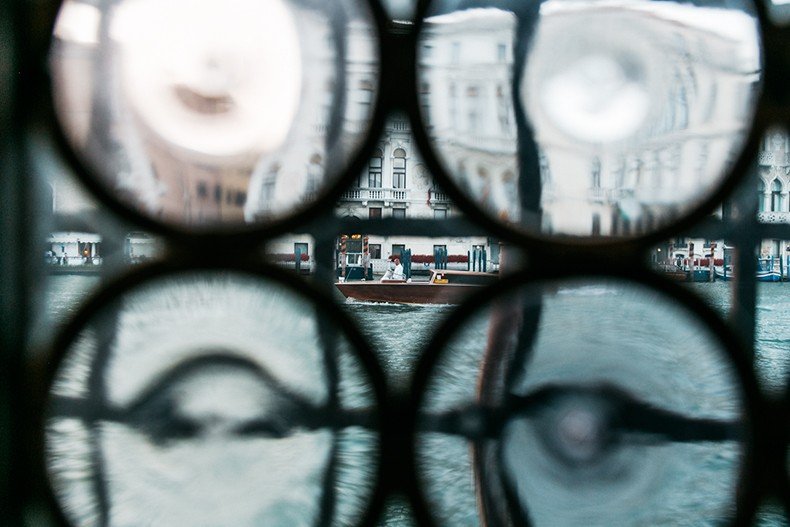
(443, 276)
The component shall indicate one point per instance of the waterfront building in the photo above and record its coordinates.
(773, 168)
(73, 249)
(625, 188)
(396, 184)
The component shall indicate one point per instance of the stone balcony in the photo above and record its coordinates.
(770, 158)
(773, 217)
(364, 195)
(438, 197)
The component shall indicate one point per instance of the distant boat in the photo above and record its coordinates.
(682, 274)
(672, 271)
(765, 272)
(443, 287)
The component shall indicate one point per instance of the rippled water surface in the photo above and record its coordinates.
(398, 335)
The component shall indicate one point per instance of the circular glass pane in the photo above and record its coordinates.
(215, 114)
(211, 399)
(590, 118)
(582, 402)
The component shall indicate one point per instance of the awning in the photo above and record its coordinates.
(73, 237)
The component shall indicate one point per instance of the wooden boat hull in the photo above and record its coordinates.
(406, 293)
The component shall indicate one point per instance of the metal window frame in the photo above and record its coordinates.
(26, 108)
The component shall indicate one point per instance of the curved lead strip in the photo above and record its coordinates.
(627, 414)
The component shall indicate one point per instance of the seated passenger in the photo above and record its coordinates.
(398, 274)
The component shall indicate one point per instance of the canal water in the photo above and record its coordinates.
(398, 335)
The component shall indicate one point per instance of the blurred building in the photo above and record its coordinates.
(655, 122)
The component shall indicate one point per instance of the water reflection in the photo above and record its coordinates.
(204, 400)
(218, 114)
(636, 108)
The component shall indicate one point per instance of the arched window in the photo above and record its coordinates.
(399, 168)
(776, 195)
(761, 195)
(374, 169)
(268, 187)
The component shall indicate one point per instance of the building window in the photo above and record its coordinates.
(425, 103)
(374, 169)
(365, 97)
(596, 224)
(268, 193)
(596, 173)
(300, 248)
(267, 189)
(375, 251)
(398, 249)
(776, 196)
(374, 213)
(439, 214)
(398, 213)
(202, 189)
(503, 110)
(453, 93)
(472, 121)
(314, 173)
(399, 168)
(626, 227)
(218, 194)
(761, 195)
(501, 52)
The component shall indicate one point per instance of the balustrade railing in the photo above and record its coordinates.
(362, 194)
(438, 196)
(773, 217)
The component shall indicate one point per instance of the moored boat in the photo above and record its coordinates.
(682, 274)
(671, 271)
(765, 272)
(761, 276)
(443, 287)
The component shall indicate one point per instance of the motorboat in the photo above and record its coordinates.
(443, 287)
(767, 271)
(760, 276)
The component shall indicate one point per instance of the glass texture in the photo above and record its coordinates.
(609, 360)
(656, 97)
(205, 399)
(214, 115)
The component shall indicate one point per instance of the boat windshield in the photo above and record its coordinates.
(464, 279)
